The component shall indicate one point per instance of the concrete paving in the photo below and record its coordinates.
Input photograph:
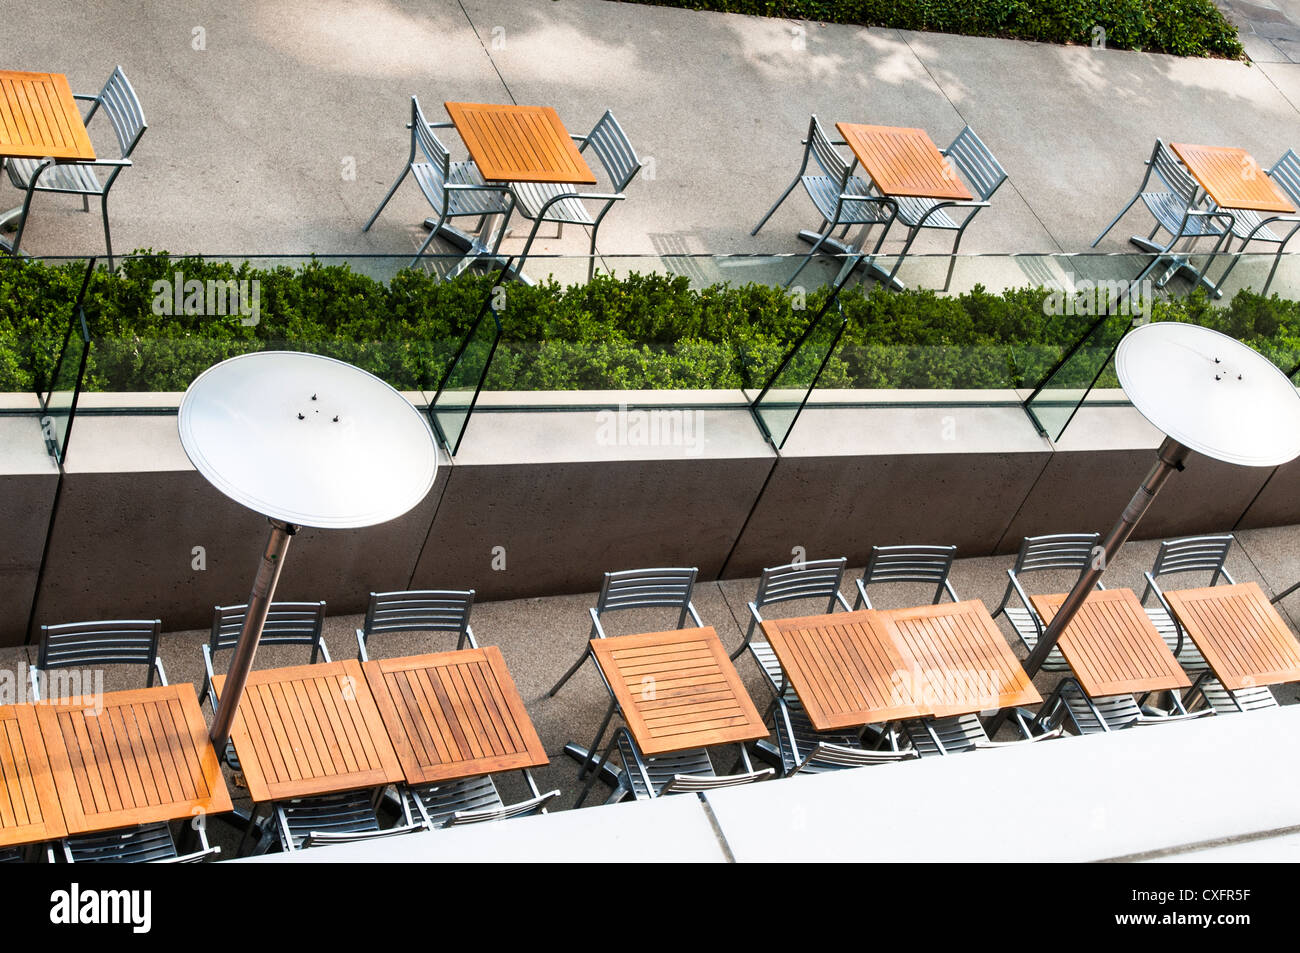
(276, 127)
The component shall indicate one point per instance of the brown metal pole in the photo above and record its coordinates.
(259, 604)
(1170, 457)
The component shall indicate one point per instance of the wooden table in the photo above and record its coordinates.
(513, 144)
(39, 119)
(1233, 178)
(132, 757)
(29, 804)
(847, 667)
(963, 662)
(1243, 638)
(454, 715)
(1112, 646)
(904, 162)
(310, 729)
(678, 690)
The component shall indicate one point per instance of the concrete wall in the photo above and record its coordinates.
(568, 489)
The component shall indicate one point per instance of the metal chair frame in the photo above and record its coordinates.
(110, 642)
(618, 159)
(472, 801)
(1255, 226)
(1188, 554)
(683, 772)
(928, 565)
(1088, 715)
(805, 750)
(119, 101)
(842, 198)
(287, 623)
(418, 610)
(1059, 552)
(146, 843)
(341, 818)
(453, 189)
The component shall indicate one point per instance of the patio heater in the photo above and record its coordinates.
(1206, 392)
(305, 440)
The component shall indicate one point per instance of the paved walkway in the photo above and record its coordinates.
(283, 131)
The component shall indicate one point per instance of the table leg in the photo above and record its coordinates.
(835, 246)
(474, 245)
(1177, 263)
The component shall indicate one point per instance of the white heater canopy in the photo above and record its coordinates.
(306, 439)
(1211, 393)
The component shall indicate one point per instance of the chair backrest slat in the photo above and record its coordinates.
(114, 642)
(419, 610)
(1286, 173)
(1192, 554)
(647, 589)
(928, 565)
(826, 155)
(976, 163)
(287, 623)
(811, 579)
(422, 137)
(1072, 551)
(119, 101)
(615, 152)
(1173, 173)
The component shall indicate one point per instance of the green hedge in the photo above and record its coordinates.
(1184, 27)
(642, 331)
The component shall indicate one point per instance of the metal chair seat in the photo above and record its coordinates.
(825, 194)
(61, 177)
(765, 655)
(1189, 656)
(532, 199)
(1225, 702)
(942, 736)
(146, 844)
(471, 801)
(805, 750)
(1116, 712)
(1169, 210)
(459, 202)
(661, 770)
(1249, 224)
(1023, 622)
(11, 855)
(352, 812)
(911, 209)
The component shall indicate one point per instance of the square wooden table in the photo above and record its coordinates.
(519, 143)
(1112, 645)
(132, 757)
(1243, 638)
(678, 690)
(1233, 178)
(40, 119)
(847, 667)
(310, 729)
(904, 162)
(962, 662)
(29, 804)
(454, 715)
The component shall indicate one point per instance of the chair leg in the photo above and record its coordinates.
(108, 238)
(907, 245)
(816, 245)
(22, 222)
(399, 181)
(595, 742)
(569, 674)
(1115, 220)
(433, 233)
(523, 255)
(784, 195)
(591, 259)
(952, 262)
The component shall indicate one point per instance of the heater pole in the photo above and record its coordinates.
(259, 604)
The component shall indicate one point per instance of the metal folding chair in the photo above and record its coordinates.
(1069, 704)
(842, 198)
(1068, 552)
(981, 169)
(287, 623)
(119, 102)
(1211, 692)
(342, 818)
(890, 565)
(549, 202)
(684, 772)
(638, 589)
(812, 579)
(1178, 210)
(472, 801)
(1189, 554)
(147, 843)
(453, 189)
(86, 644)
(1249, 225)
(418, 610)
(960, 733)
(805, 750)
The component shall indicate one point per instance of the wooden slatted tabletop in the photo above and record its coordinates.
(454, 715)
(904, 162)
(1112, 646)
(310, 729)
(962, 662)
(1243, 638)
(132, 757)
(847, 667)
(1233, 178)
(29, 804)
(519, 143)
(678, 690)
(39, 118)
